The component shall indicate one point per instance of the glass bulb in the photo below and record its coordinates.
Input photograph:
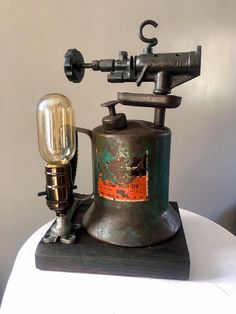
(56, 129)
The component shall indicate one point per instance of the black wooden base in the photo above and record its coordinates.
(169, 259)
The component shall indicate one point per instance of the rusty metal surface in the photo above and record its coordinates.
(124, 213)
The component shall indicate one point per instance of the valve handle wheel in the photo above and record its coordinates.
(73, 65)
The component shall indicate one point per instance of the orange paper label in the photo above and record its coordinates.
(135, 191)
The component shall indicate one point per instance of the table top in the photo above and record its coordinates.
(210, 289)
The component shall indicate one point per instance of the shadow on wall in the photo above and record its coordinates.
(228, 219)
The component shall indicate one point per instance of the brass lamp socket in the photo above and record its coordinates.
(59, 188)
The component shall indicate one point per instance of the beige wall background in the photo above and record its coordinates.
(34, 35)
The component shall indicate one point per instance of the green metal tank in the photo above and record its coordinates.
(131, 182)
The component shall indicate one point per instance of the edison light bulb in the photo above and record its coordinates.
(56, 129)
(57, 146)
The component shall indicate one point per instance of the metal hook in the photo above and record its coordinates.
(152, 41)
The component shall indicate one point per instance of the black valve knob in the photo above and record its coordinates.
(74, 65)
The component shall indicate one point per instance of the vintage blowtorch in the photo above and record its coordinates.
(123, 228)
(131, 158)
